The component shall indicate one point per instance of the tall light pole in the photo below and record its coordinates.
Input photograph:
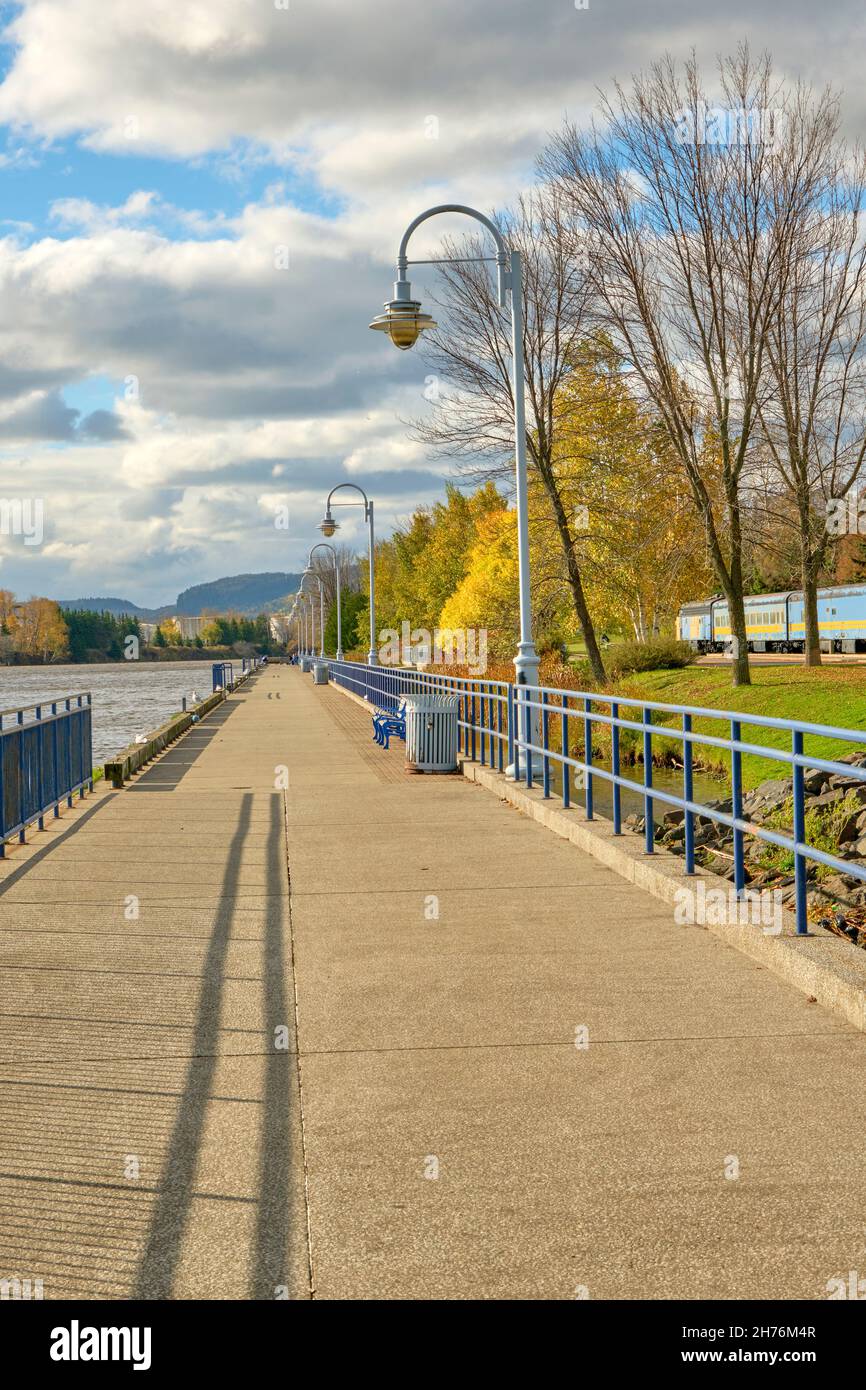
(304, 600)
(323, 545)
(310, 644)
(328, 526)
(309, 571)
(404, 322)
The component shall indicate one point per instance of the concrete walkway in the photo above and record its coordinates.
(433, 1131)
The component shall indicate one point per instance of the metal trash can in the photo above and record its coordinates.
(431, 732)
(320, 673)
(306, 663)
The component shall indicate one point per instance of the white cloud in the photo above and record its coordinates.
(256, 382)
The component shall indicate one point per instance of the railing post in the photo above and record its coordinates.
(649, 839)
(587, 755)
(501, 756)
(525, 723)
(482, 715)
(799, 837)
(55, 790)
(545, 740)
(614, 767)
(68, 742)
(737, 808)
(566, 769)
(513, 750)
(688, 792)
(40, 762)
(89, 740)
(472, 725)
(21, 839)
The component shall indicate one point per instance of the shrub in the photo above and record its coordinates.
(658, 654)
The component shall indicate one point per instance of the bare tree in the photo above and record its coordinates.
(680, 201)
(323, 568)
(814, 418)
(471, 420)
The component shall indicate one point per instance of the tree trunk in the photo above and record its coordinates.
(740, 664)
(812, 642)
(810, 564)
(575, 583)
(731, 579)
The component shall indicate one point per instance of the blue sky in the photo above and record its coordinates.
(167, 384)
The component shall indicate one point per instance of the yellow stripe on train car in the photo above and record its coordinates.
(838, 623)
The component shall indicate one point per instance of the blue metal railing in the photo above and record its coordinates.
(494, 713)
(46, 755)
(484, 712)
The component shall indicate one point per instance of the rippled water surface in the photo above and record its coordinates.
(129, 697)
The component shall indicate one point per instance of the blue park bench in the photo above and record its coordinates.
(387, 722)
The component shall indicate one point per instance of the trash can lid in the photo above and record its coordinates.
(432, 704)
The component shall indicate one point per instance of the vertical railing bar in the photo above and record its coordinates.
(688, 792)
(799, 838)
(737, 808)
(499, 741)
(545, 742)
(40, 764)
(472, 723)
(587, 755)
(649, 841)
(614, 767)
(566, 766)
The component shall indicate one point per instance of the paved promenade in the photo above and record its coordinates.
(429, 1129)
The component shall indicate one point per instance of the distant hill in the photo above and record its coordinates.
(247, 594)
(120, 607)
(239, 593)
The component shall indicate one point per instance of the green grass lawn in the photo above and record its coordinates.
(829, 695)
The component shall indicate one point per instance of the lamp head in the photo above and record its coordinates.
(403, 320)
(328, 525)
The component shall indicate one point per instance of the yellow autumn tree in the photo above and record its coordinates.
(38, 630)
(641, 548)
(487, 598)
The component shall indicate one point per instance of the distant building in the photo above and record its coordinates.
(278, 626)
(191, 627)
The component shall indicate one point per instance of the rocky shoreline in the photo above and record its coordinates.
(835, 823)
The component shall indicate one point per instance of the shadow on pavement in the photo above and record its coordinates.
(269, 1258)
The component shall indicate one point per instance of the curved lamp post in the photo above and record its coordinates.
(312, 573)
(328, 526)
(323, 545)
(403, 321)
(304, 600)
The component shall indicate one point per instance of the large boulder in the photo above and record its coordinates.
(774, 789)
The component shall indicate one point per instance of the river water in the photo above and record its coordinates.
(129, 697)
(705, 788)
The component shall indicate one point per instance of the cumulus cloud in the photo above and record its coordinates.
(237, 344)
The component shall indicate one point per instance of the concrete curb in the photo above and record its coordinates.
(823, 967)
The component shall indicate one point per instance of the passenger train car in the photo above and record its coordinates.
(775, 622)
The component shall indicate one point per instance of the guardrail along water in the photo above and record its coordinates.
(46, 756)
